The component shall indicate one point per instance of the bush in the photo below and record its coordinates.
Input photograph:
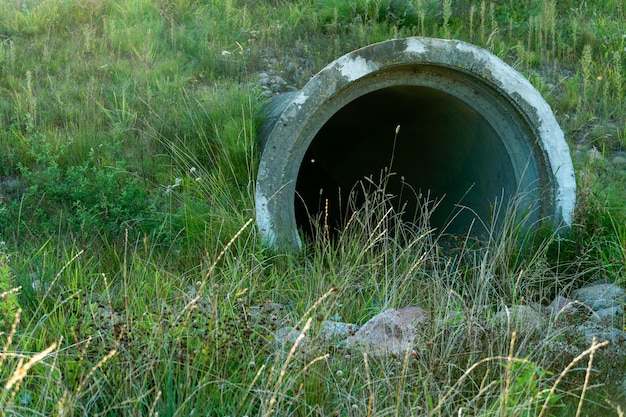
(98, 194)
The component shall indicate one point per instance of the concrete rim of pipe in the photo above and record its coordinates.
(458, 104)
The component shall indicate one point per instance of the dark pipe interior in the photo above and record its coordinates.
(444, 149)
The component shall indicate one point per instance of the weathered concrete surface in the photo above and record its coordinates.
(472, 131)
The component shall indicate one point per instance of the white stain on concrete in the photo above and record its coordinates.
(264, 219)
(292, 109)
(300, 99)
(466, 47)
(354, 68)
(415, 45)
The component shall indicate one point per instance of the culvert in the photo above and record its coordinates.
(445, 119)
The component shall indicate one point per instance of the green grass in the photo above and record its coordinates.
(128, 263)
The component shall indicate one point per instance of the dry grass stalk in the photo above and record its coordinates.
(574, 361)
(283, 370)
(194, 301)
(586, 384)
(370, 399)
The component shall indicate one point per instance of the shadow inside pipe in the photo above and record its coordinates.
(416, 141)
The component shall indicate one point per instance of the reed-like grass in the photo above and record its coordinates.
(130, 271)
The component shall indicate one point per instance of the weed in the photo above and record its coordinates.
(9, 305)
(127, 165)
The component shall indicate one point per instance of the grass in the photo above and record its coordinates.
(133, 283)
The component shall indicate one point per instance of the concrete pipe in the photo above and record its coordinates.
(442, 118)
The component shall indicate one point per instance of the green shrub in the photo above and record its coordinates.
(98, 195)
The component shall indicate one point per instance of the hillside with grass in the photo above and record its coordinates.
(133, 280)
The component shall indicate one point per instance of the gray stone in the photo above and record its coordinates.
(619, 161)
(286, 337)
(291, 67)
(521, 318)
(9, 184)
(278, 80)
(600, 296)
(390, 332)
(268, 313)
(595, 155)
(335, 331)
(560, 305)
(589, 330)
(610, 316)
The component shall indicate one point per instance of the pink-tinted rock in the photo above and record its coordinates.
(391, 332)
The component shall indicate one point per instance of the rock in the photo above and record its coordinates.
(589, 330)
(335, 331)
(9, 184)
(266, 92)
(600, 295)
(562, 351)
(271, 312)
(610, 316)
(272, 84)
(390, 332)
(522, 318)
(286, 337)
(595, 155)
(619, 161)
(560, 305)
(107, 316)
(291, 67)
(279, 80)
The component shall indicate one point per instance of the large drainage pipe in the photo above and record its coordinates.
(444, 118)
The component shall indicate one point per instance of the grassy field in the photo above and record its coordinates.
(129, 262)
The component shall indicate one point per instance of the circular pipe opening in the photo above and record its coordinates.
(435, 119)
(444, 152)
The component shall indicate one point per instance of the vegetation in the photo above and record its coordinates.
(129, 268)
